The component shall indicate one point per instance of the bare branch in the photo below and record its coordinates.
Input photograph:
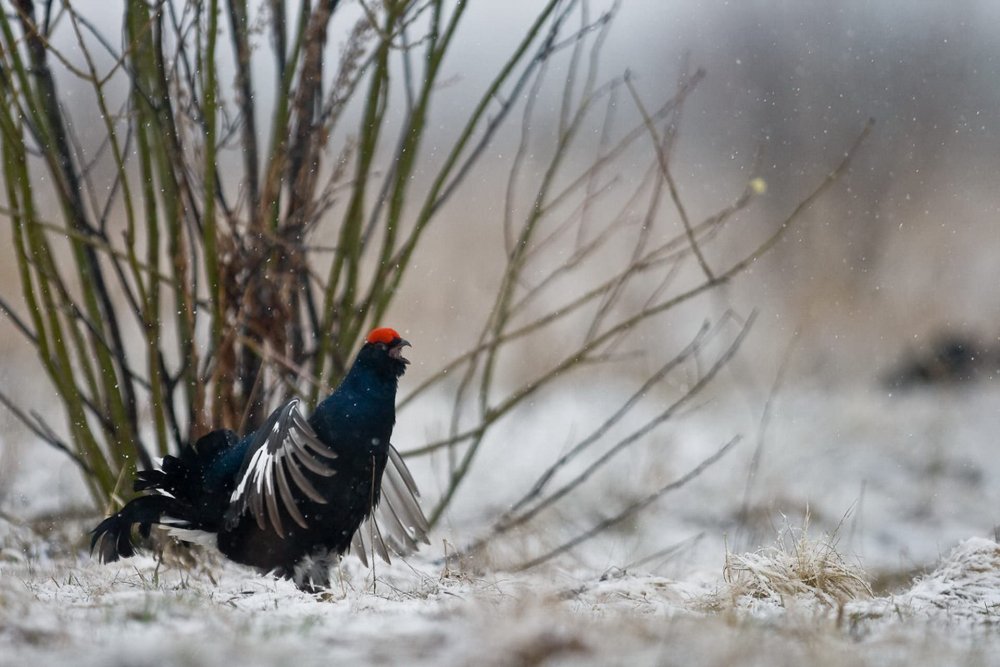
(631, 510)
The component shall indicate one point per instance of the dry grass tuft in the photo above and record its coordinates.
(796, 566)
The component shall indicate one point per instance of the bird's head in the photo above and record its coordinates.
(384, 348)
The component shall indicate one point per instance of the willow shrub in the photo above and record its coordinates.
(235, 291)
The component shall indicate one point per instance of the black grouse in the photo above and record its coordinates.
(292, 496)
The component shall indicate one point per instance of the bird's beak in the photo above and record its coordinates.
(396, 351)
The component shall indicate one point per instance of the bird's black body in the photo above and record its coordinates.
(291, 496)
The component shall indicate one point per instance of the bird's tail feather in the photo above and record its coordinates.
(170, 476)
(112, 539)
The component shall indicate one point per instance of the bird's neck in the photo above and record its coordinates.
(376, 387)
(360, 413)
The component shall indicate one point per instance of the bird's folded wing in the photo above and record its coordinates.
(397, 524)
(273, 470)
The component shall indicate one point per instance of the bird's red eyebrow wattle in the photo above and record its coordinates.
(382, 335)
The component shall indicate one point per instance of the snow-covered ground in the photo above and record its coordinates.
(69, 610)
(900, 490)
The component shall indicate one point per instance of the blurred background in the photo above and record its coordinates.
(900, 255)
(905, 247)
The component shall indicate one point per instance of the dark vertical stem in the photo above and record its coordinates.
(119, 390)
(237, 11)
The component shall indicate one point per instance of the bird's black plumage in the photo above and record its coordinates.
(292, 496)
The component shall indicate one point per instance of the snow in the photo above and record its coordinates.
(897, 489)
(71, 610)
(963, 592)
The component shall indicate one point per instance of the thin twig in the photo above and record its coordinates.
(516, 519)
(630, 510)
(36, 425)
(668, 177)
(765, 420)
(597, 434)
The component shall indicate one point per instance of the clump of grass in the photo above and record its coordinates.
(796, 566)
